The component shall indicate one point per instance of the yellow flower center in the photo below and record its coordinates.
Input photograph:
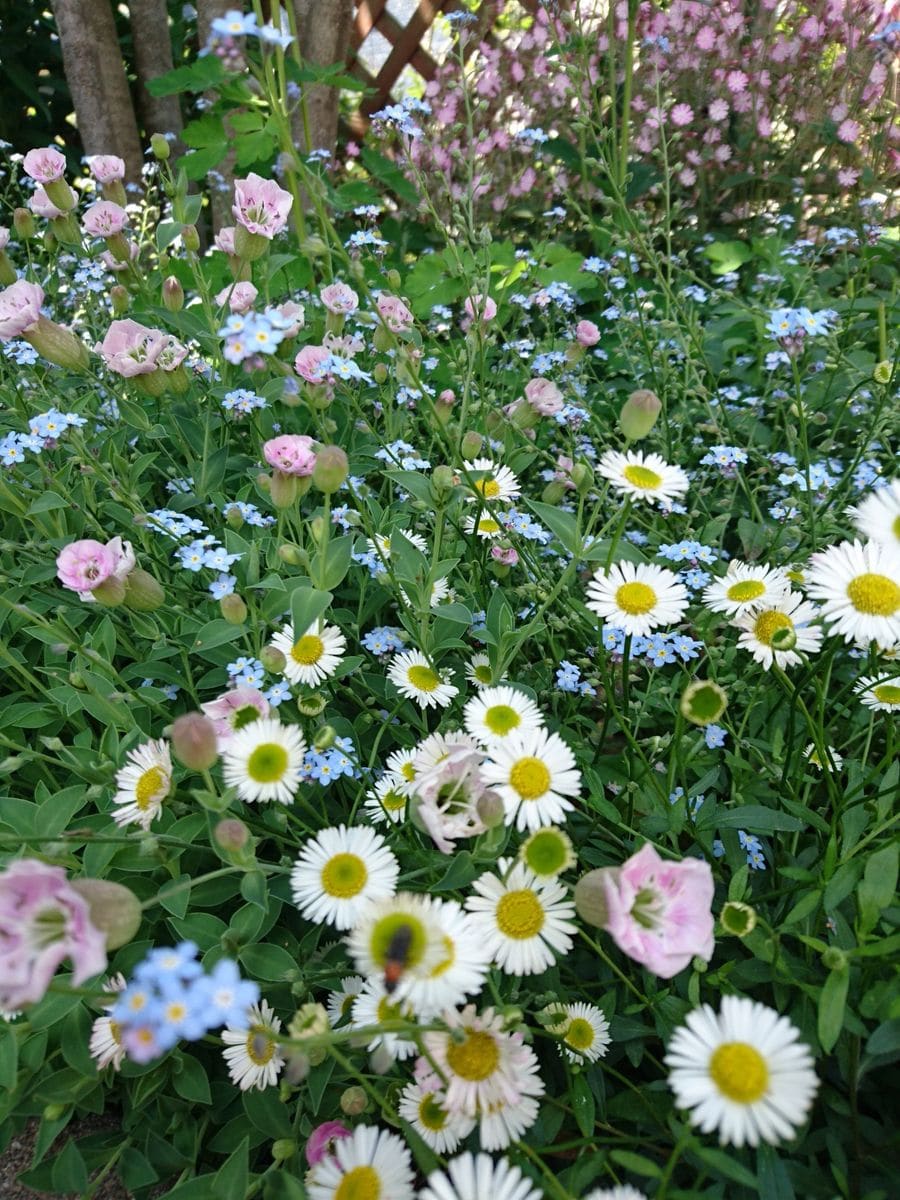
(115, 1032)
(642, 477)
(739, 1072)
(546, 852)
(580, 1034)
(386, 1011)
(176, 1011)
(489, 488)
(151, 786)
(501, 719)
(423, 679)
(886, 693)
(896, 528)
(768, 624)
(635, 598)
(746, 590)
(308, 650)
(530, 778)
(344, 875)
(474, 1059)
(446, 963)
(362, 1183)
(392, 801)
(260, 1045)
(520, 915)
(431, 1114)
(483, 673)
(875, 595)
(267, 763)
(488, 525)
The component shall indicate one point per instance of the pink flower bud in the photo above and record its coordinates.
(482, 307)
(339, 299)
(587, 333)
(543, 396)
(194, 741)
(239, 297)
(331, 469)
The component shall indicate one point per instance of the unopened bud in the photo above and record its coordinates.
(194, 741)
(354, 1101)
(143, 593)
(491, 810)
(394, 279)
(232, 835)
(272, 659)
(292, 555)
(311, 706)
(882, 372)
(553, 492)
(23, 222)
(582, 476)
(190, 238)
(590, 896)
(738, 918)
(703, 702)
(110, 593)
(310, 1020)
(380, 373)
(639, 414)
(159, 147)
(834, 959)
(234, 518)
(283, 1149)
(784, 639)
(284, 489)
(470, 446)
(249, 246)
(313, 246)
(233, 609)
(114, 910)
(442, 479)
(324, 738)
(331, 469)
(172, 294)
(119, 299)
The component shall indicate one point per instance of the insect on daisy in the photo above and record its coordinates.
(143, 783)
(742, 1071)
(263, 761)
(492, 482)
(880, 694)
(479, 1177)
(414, 677)
(498, 712)
(533, 772)
(369, 1164)
(459, 969)
(312, 657)
(583, 1030)
(777, 635)
(859, 586)
(643, 477)
(877, 517)
(524, 923)
(637, 598)
(252, 1052)
(374, 942)
(339, 872)
(745, 586)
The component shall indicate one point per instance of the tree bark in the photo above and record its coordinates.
(221, 190)
(324, 28)
(96, 76)
(153, 57)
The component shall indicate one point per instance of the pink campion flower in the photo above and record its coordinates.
(687, 177)
(320, 1143)
(848, 131)
(20, 308)
(308, 362)
(260, 205)
(447, 794)
(119, 553)
(339, 299)
(507, 556)
(172, 354)
(291, 453)
(543, 396)
(706, 38)
(44, 166)
(719, 110)
(106, 168)
(681, 115)
(130, 348)
(587, 334)
(84, 565)
(224, 240)
(394, 313)
(233, 710)
(736, 81)
(43, 920)
(291, 311)
(104, 219)
(239, 297)
(847, 177)
(482, 307)
(658, 912)
(115, 264)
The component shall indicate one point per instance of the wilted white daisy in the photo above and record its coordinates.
(485, 526)
(461, 966)
(409, 921)
(421, 1105)
(479, 1177)
(106, 1034)
(492, 482)
(414, 677)
(745, 586)
(877, 516)
(340, 1003)
(498, 712)
(523, 922)
(263, 761)
(385, 802)
(373, 1006)
(339, 871)
(534, 772)
(637, 597)
(779, 634)
(382, 543)
(741, 1071)
(370, 1164)
(643, 476)
(548, 852)
(833, 761)
(252, 1053)
(312, 657)
(478, 670)
(583, 1028)
(143, 783)
(880, 694)
(859, 586)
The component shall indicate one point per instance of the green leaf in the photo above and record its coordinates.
(879, 883)
(307, 605)
(583, 1105)
(337, 562)
(268, 962)
(9, 1056)
(190, 1082)
(562, 524)
(267, 1113)
(255, 890)
(230, 1182)
(885, 1039)
(752, 817)
(47, 502)
(725, 1164)
(831, 1007)
(175, 896)
(460, 873)
(317, 1081)
(69, 1174)
(213, 634)
(774, 1181)
(636, 1163)
(203, 74)
(726, 257)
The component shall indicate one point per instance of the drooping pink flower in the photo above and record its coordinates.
(239, 297)
(44, 166)
(130, 348)
(482, 307)
(394, 313)
(20, 308)
(43, 920)
(234, 709)
(543, 396)
(260, 205)
(106, 168)
(291, 311)
(339, 299)
(308, 362)
(83, 565)
(587, 333)
(321, 1141)
(42, 206)
(291, 453)
(224, 240)
(115, 264)
(104, 219)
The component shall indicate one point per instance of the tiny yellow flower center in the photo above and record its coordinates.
(431, 1114)
(739, 1072)
(362, 1183)
(344, 875)
(474, 1059)
(642, 477)
(408, 772)
(447, 962)
(151, 786)
(746, 590)
(260, 1045)
(488, 525)
(501, 719)
(483, 673)
(895, 528)
(489, 488)
(530, 778)
(176, 1011)
(423, 678)
(635, 598)
(886, 693)
(520, 914)
(547, 852)
(580, 1034)
(875, 595)
(392, 801)
(115, 1032)
(768, 624)
(308, 650)
(267, 763)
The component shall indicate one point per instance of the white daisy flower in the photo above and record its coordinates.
(373, 1006)
(643, 476)
(533, 772)
(252, 1053)
(741, 1071)
(506, 1121)
(624, 1191)
(478, 670)
(263, 761)
(859, 586)
(381, 543)
(340, 1003)
(441, 593)
(143, 783)
(340, 871)
(492, 482)
(637, 597)
(584, 1031)
(778, 634)
(106, 1034)
(421, 1105)
(498, 712)
(524, 923)
(877, 517)
(370, 1164)
(486, 527)
(833, 761)
(437, 749)
(479, 1177)
(314, 656)
(745, 586)
(414, 677)
(461, 967)
(385, 802)
(880, 694)
(399, 768)
(399, 940)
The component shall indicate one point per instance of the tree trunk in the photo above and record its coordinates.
(221, 187)
(324, 28)
(96, 77)
(152, 57)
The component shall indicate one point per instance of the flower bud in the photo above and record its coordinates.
(442, 478)
(882, 372)
(232, 835)
(172, 294)
(354, 1101)
(23, 222)
(394, 279)
(143, 593)
(590, 896)
(159, 147)
(284, 489)
(7, 270)
(233, 609)
(582, 476)
(114, 910)
(491, 810)
(324, 738)
(738, 918)
(639, 414)
(249, 246)
(272, 659)
(194, 741)
(190, 238)
(311, 706)
(310, 1020)
(834, 959)
(52, 1112)
(470, 446)
(313, 247)
(553, 492)
(380, 373)
(283, 1149)
(234, 518)
(119, 299)
(294, 556)
(331, 469)
(110, 593)
(703, 702)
